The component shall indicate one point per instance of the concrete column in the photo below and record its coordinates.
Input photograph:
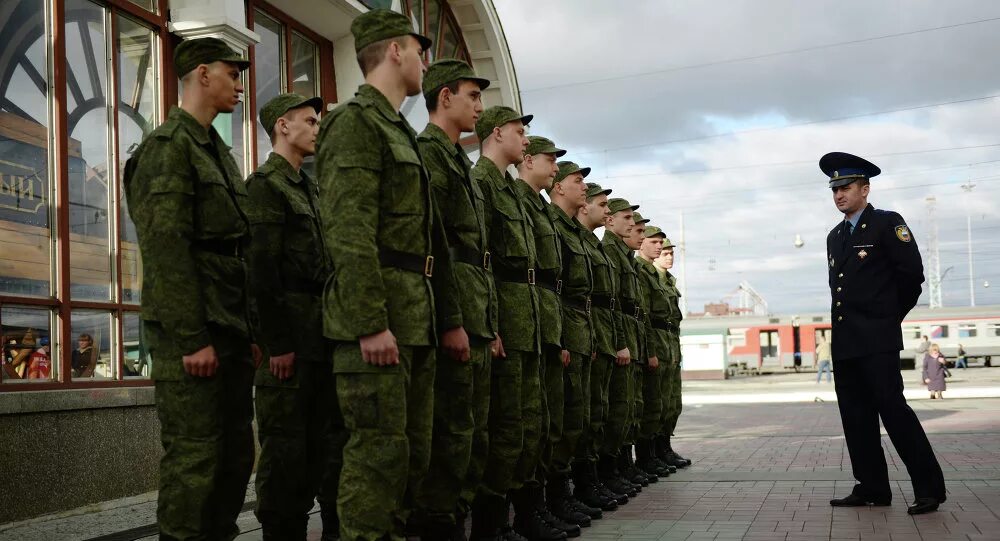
(223, 19)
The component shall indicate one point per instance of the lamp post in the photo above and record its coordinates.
(967, 188)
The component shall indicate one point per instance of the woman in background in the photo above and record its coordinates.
(934, 371)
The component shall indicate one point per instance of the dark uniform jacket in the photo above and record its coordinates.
(380, 226)
(548, 269)
(609, 338)
(511, 243)
(875, 278)
(187, 199)
(628, 316)
(288, 260)
(577, 283)
(461, 201)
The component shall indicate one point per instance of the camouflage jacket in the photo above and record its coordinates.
(619, 254)
(375, 204)
(577, 283)
(460, 201)
(657, 308)
(288, 260)
(509, 231)
(188, 202)
(608, 336)
(548, 270)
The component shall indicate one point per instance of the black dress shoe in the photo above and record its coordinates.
(854, 500)
(923, 505)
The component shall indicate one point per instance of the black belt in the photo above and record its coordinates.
(663, 325)
(420, 264)
(603, 301)
(223, 247)
(547, 278)
(632, 309)
(308, 287)
(577, 305)
(467, 255)
(522, 276)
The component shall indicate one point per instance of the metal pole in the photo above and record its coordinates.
(684, 281)
(972, 279)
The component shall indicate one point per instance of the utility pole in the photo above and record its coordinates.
(684, 282)
(934, 263)
(967, 188)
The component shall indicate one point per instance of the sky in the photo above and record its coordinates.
(719, 112)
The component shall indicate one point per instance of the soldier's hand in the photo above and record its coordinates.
(564, 355)
(593, 356)
(257, 355)
(654, 362)
(380, 348)
(496, 348)
(202, 363)
(283, 366)
(456, 343)
(623, 357)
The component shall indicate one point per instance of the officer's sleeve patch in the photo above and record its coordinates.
(903, 233)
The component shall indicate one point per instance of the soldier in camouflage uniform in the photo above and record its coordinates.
(569, 194)
(295, 394)
(391, 291)
(672, 393)
(188, 202)
(536, 173)
(515, 418)
(610, 349)
(461, 388)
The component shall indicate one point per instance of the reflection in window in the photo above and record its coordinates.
(25, 240)
(27, 346)
(433, 18)
(92, 347)
(137, 362)
(148, 5)
(268, 72)
(305, 66)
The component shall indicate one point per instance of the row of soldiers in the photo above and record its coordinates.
(486, 347)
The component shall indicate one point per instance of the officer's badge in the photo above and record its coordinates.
(903, 233)
(862, 254)
(831, 261)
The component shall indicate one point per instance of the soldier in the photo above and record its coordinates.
(671, 392)
(461, 388)
(875, 278)
(609, 350)
(390, 293)
(611, 464)
(295, 396)
(515, 420)
(536, 172)
(569, 194)
(188, 203)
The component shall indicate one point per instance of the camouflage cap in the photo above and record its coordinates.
(594, 189)
(449, 70)
(618, 204)
(567, 168)
(666, 242)
(281, 104)
(541, 145)
(497, 116)
(639, 219)
(653, 231)
(194, 52)
(379, 24)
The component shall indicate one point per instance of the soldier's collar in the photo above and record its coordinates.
(280, 163)
(191, 125)
(434, 132)
(534, 198)
(378, 99)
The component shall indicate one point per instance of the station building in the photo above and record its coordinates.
(81, 82)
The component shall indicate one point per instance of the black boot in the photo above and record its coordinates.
(660, 450)
(646, 459)
(676, 459)
(560, 502)
(331, 525)
(626, 465)
(528, 518)
(458, 529)
(571, 529)
(619, 497)
(489, 518)
(609, 476)
(585, 489)
(272, 527)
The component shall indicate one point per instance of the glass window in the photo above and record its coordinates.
(993, 329)
(912, 331)
(92, 356)
(27, 347)
(305, 66)
(768, 344)
(447, 46)
(137, 362)
(269, 75)
(375, 4)
(148, 5)
(25, 192)
(433, 23)
(939, 331)
(967, 330)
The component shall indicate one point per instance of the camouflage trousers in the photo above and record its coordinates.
(674, 402)
(576, 413)
(619, 409)
(388, 412)
(652, 399)
(460, 441)
(636, 402)
(592, 439)
(553, 407)
(207, 437)
(302, 435)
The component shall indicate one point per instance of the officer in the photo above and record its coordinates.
(515, 419)
(189, 204)
(875, 278)
(391, 290)
(537, 171)
(453, 92)
(295, 394)
(609, 349)
(569, 195)
(671, 392)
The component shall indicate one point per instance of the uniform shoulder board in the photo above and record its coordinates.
(165, 130)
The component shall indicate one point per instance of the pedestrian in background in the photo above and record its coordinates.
(825, 358)
(934, 371)
(961, 361)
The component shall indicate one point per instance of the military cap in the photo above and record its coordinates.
(666, 241)
(281, 104)
(449, 70)
(541, 145)
(844, 168)
(594, 189)
(653, 231)
(194, 52)
(497, 116)
(567, 168)
(379, 24)
(618, 204)
(639, 219)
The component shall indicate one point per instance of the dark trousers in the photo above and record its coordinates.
(868, 388)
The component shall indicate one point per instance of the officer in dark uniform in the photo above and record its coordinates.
(875, 278)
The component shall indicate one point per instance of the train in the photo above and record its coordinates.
(720, 346)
